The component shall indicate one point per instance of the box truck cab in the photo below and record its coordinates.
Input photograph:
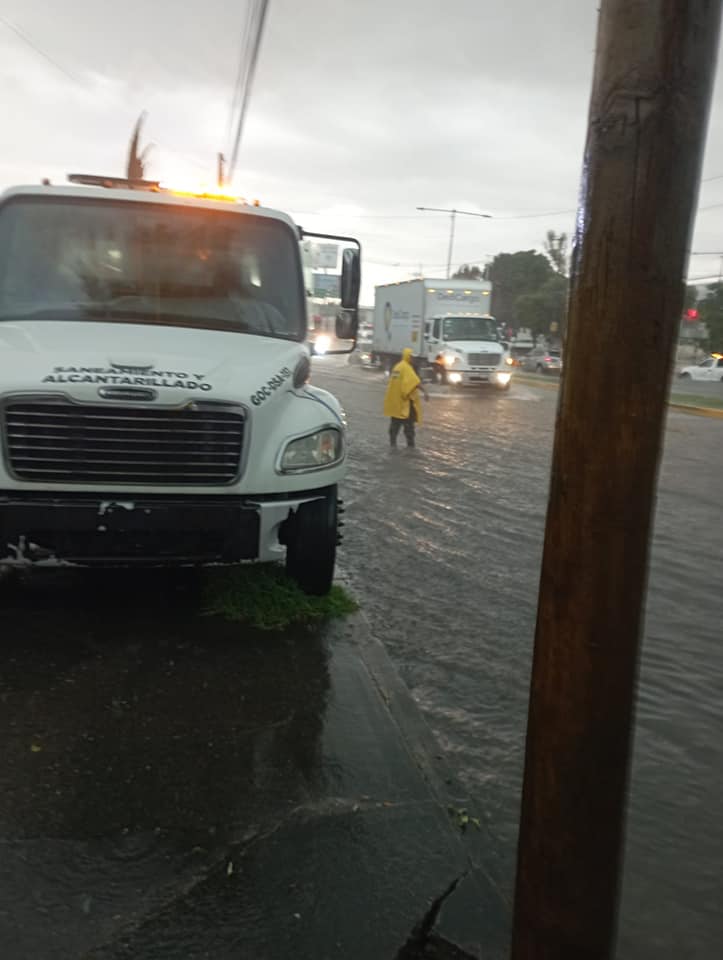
(448, 326)
(155, 404)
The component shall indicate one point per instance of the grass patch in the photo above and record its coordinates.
(263, 596)
(696, 400)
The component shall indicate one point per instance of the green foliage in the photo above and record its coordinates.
(462, 819)
(556, 250)
(538, 311)
(467, 272)
(696, 400)
(711, 313)
(691, 296)
(515, 275)
(263, 596)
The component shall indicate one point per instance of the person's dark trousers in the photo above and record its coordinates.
(396, 425)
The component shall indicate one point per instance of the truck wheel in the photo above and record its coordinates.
(311, 545)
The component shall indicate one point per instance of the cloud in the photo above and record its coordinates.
(360, 112)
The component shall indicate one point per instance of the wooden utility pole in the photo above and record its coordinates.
(652, 83)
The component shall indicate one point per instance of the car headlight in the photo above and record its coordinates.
(322, 344)
(321, 449)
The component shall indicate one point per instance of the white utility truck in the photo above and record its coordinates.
(155, 407)
(448, 326)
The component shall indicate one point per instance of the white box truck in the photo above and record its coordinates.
(448, 326)
(155, 407)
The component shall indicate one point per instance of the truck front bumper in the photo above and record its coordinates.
(122, 530)
(472, 378)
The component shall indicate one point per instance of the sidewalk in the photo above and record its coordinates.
(207, 792)
(354, 871)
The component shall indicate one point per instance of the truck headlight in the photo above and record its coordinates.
(503, 378)
(449, 359)
(321, 449)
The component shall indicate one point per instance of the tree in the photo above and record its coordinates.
(556, 249)
(515, 275)
(711, 313)
(543, 312)
(467, 272)
(136, 167)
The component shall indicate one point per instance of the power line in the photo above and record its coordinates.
(256, 32)
(533, 216)
(33, 46)
(242, 70)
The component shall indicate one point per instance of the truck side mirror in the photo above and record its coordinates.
(346, 325)
(350, 280)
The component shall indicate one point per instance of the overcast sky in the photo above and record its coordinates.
(361, 112)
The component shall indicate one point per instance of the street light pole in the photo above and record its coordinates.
(453, 214)
(451, 243)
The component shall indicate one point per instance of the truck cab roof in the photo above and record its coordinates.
(115, 191)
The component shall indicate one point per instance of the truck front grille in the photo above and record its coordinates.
(64, 442)
(483, 359)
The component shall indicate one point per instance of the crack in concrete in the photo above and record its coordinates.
(422, 943)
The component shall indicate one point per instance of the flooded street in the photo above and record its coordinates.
(174, 785)
(444, 549)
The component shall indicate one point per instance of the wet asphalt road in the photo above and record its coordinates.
(145, 746)
(444, 548)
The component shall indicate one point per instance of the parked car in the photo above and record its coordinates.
(542, 360)
(709, 369)
(363, 354)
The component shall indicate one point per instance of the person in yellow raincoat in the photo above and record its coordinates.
(402, 402)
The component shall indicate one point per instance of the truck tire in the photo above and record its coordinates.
(311, 544)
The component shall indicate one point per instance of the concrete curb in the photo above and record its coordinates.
(712, 413)
(479, 885)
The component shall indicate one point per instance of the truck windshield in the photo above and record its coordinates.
(469, 328)
(138, 262)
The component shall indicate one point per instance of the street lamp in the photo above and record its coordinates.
(453, 214)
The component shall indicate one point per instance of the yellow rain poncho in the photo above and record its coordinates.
(402, 389)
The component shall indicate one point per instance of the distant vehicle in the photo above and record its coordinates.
(520, 346)
(364, 352)
(710, 369)
(542, 360)
(446, 323)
